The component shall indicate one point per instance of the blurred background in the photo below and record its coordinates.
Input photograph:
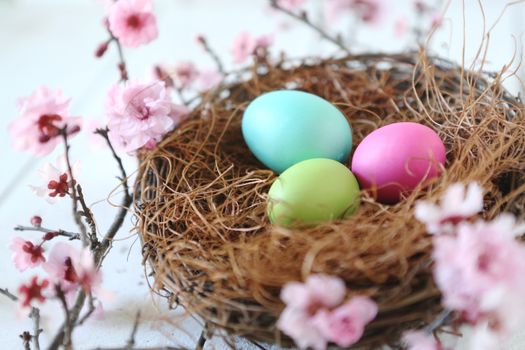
(52, 42)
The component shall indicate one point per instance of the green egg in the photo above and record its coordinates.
(311, 192)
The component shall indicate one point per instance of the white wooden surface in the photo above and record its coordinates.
(52, 42)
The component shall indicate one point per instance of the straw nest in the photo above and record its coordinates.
(201, 194)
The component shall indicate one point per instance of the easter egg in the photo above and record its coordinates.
(395, 159)
(311, 192)
(284, 127)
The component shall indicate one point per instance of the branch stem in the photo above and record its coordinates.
(303, 17)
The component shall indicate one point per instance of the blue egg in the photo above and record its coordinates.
(285, 127)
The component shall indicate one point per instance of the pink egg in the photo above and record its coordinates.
(396, 158)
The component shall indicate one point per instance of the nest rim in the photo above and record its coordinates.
(250, 317)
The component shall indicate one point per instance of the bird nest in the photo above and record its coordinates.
(202, 195)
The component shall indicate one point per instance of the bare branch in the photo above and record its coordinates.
(76, 214)
(88, 214)
(68, 323)
(201, 341)
(131, 341)
(63, 233)
(303, 17)
(89, 312)
(126, 202)
(7, 293)
(35, 316)
(210, 51)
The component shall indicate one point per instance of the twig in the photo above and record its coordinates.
(303, 17)
(88, 214)
(122, 62)
(131, 341)
(438, 321)
(126, 202)
(257, 345)
(74, 195)
(180, 93)
(8, 294)
(89, 312)
(70, 235)
(26, 340)
(201, 341)
(35, 316)
(68, 323)
(74, 314)
(215, 57)
(100, 251)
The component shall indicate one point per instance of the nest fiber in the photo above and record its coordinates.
(201, 194)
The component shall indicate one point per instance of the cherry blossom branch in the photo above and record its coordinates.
(7, 293)
(68, 329)
(99, 252)
(126, 202)
(131, 340)
(71, 235)
(303, 17)
(76, 214)
(201, 341)
(210, 51)
(73, 316)
(34, 315)
(88, 214)
(90, 310)
(122, 62)
(439, 321)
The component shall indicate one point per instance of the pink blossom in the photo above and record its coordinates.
(437, 19)
(140, 112)
(132, 22)
(95, 141)
(246, 45)
(32, 290)
(503, 309)
(71, 268)
(209, 79)
(482, 257)
(456, 205)
(400, 27)
(419, 340)
(26, 254)
(291, 4)
(185, 73)
(264, 41)
(55, 179)
(318, 291)
(345, 325)
(485, 338)
(42, 116)
(298, 325)
(369, 11)
(303, 301)
(36, 221)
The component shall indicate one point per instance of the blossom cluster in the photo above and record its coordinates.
(317, 313)
(479, 266)
(67, 269)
